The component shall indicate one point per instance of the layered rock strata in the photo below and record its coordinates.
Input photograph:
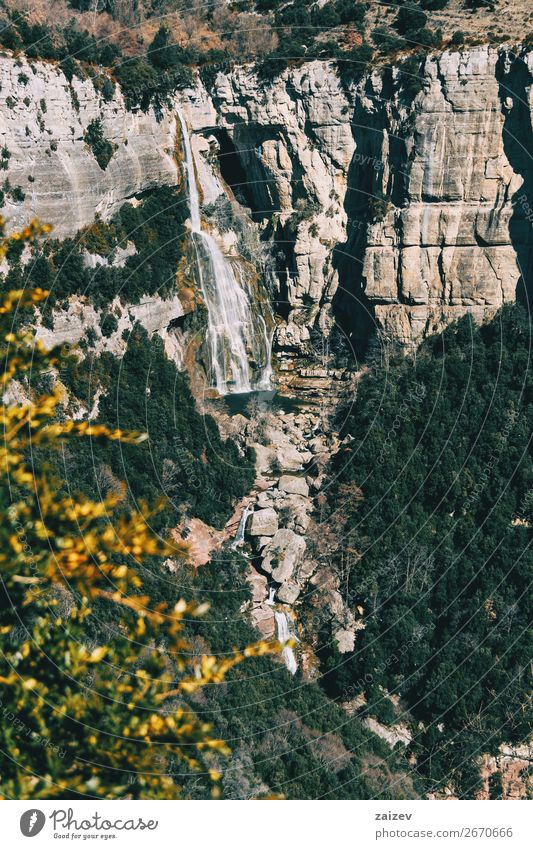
(43, 134)
(408, 211)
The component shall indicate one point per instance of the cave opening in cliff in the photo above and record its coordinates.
(232, 169)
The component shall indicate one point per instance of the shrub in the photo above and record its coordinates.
(162, 53)
(355, 63)
(410, 76)
(387, 40)
(410, 19)
(102, 149)
(109, 324)
(350, 12)
(70, 68)
(325, 17)
(427, 38)
(433, 5)
(18, 194)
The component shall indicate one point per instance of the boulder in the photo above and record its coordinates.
(259, 586)
(260, 542)
(263, 619)
(297, 510)
(345, 641)
(264, 458)
(264, 500)
(283, 554)
(289, 459)
(263, 523)
(288, 593)
(293, 485)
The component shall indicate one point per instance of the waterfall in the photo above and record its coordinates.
(232, 331)
(284, 634)
(239, 536)
(265, 382)
(271, 596)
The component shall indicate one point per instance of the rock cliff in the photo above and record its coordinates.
(393, 206)
(403, 212)
(43, 122)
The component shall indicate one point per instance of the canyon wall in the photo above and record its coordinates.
(403, 211)
(392, 210)
(43, 121)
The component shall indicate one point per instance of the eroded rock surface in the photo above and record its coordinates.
(414, 209)
(43, 121)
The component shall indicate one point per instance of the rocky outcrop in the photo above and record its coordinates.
(404, 212)
(397, 212)
(283, 554)
(263, 523)
(287, 568)
(72, 324)
(43, 121)
(443, 245)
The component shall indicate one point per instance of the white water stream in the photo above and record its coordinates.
(285, 634)
(232, 332)
(241, 530)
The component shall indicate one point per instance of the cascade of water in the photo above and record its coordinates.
(271, 594)
(231, 331)
(239, 536)
(284, 634)
(265, 382)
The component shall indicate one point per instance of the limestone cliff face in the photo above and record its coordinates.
(294, 143)
(445, 244)
(43, 119)
(397, 213)
(407, 211)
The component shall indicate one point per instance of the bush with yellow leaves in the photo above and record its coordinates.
(80, 716)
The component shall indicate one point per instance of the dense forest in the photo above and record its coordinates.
(184, 457)
(287, 737)
(433, 493)
(434, 497)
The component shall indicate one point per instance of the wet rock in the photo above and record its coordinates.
(263, 619)
(263, 523)
(259, 586)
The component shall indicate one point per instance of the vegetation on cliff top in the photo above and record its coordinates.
(155, 227)
(150, 47)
